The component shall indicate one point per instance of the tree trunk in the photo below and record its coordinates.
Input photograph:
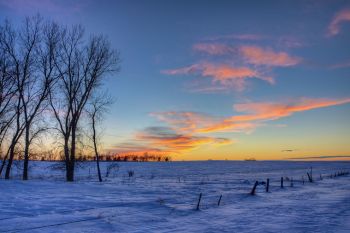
(66, 157)
(70, 171)
(26, 154)
(3, 163)
(9, 163)
(98, 168)
(96, 150)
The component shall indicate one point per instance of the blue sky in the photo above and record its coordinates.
(214, 61)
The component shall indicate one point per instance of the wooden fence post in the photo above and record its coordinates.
(219, 199)
(310, 177)
(267, 185)
(282, 182)
(254, 187)
(199, 201)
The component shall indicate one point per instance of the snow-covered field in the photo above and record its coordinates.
(162, 197)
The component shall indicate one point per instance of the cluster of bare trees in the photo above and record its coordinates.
(50, 77)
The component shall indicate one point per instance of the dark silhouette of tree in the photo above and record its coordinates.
(97, 107)
(82, 67)
(30, 51)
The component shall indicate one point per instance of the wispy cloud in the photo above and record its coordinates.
(259, 112)
(244, 37)
(169, 140)
(184, 121)
(340, 65)
(340, 17)
(320, 157)
(251, 54)
(260, 56)
(226, 75)
(255, 115)
(214, 48)
(159, 139)
(230, 66)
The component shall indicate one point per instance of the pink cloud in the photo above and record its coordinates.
(259, 56)
(340, 17)
(258, 112)
(225, 75)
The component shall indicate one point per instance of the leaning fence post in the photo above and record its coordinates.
(254, 187)
(199, 201)
(282, 182)
(310, 177)
(267, 185)
(219, 199)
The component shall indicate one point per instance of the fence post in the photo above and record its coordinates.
(282, 182)
(219, 199)
(254, 187)
(310, 177)
(267, 185)
(199, 201)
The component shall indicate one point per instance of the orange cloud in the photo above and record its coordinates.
(225, 75)
(167, 139)
(340, 17)
(259, 56)
(260, 112)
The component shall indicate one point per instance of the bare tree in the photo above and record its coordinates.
(7, 93)
(82, 67)
(30, 49)
(97, 107)
(37, 85)
(19, 61)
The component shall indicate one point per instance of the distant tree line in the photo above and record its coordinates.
(51, 79)
(146, 157)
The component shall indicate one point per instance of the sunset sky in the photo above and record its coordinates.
(220, 79)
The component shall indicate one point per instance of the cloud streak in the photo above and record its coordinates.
(321, 157)
(255, 114)
(251, 54)
(258, 112)
(259, 56)
(165, 140)
(340, 17)
(169, 140)
(226, 75)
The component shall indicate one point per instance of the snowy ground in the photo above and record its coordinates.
(162, 197)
